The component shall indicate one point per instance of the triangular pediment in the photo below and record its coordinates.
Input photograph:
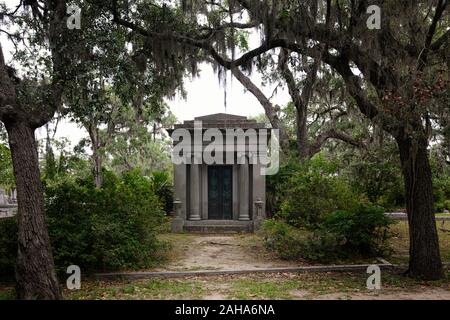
(220, 117)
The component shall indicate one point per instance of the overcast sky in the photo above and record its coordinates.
(204, 94)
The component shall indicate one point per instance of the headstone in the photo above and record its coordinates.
(13, 196)
(446, 211)
(3, 198)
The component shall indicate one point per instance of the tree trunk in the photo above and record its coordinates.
(97, 159)
(35, 273)
(302, 135)
(424, 259)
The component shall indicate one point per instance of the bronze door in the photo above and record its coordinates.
(220, 192)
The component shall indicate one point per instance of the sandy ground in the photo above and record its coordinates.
(222, 252)
(245, 251)
(218, 292)
(413, 294)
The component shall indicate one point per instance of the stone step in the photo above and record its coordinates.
(218, 226)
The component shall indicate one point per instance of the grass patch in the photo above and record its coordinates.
(7, 293)
(340, 285)
(177, 245)
(153, 289)
(400, 242)
(245, 289)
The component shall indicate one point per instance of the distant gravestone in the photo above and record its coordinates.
(13, 196)
(3, 198)
(446, 211)
(8, 208)
(3, 202)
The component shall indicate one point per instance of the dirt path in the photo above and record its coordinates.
(192, 252)
(413, 294)
(325, 286)
(220, 252)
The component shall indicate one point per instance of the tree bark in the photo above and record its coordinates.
(98, 178)
(303, 147)
(269, 109)
(35, 275)
(301, 99)
(424, 259)
(97, 159)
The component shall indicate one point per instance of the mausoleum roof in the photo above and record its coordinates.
(222, 121)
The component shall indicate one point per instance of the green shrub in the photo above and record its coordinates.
(8, 245)
(441, 193)
(376, 172)
(162, 186)
(110, 228)
(312, 191)
(323, 246)
(365, 229)
(447, 204)
(441, 184)
(119, 227)
(283, 239)
(292, 243)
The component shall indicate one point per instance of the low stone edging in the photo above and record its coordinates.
(386, 265)
(180, 274)
(403, 216)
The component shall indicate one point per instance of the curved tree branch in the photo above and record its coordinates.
(333, 134)
(269, 109)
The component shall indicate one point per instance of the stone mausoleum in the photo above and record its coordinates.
(225, 196)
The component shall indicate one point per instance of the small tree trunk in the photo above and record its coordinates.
(35, 272)
(302, 135)
(97, 159)
(424, 254)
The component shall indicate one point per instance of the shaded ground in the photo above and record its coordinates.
(246, 251)
(400, 241)
(320, 286)
(192, 251)
(334, 286)
(220, 252)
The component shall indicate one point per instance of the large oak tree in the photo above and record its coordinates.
(26, 104)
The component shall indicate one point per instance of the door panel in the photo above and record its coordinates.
(220, 192)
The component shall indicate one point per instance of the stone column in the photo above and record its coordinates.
(195, 192)
(180, 188)
(244, 189)
(259, 188)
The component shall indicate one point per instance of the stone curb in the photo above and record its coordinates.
(403, 216)
(180, 274)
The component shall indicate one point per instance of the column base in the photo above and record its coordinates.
(195, 218)
(177, 225)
